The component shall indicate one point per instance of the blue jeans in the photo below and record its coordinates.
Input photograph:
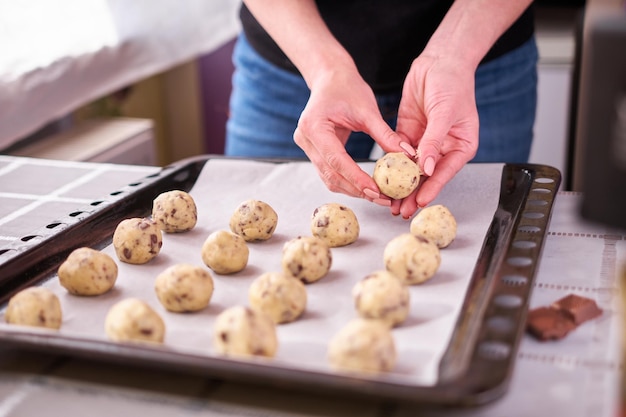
(266, 103)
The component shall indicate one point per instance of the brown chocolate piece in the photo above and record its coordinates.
(547, 323)
(579, 309)
(561, 317)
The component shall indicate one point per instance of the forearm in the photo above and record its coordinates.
(298, 29)
(471, 27)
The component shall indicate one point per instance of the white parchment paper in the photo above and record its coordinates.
(294, 190)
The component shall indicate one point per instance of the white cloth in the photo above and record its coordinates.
(57, 56)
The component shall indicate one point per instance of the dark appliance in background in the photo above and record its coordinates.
(601, 150)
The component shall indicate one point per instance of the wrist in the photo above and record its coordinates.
(471, 27)
(318, 69)
(455, 51)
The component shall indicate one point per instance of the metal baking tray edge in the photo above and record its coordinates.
(475, 369)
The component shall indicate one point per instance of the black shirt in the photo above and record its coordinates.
(383, 37)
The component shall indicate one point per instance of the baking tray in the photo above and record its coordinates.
(476, 366)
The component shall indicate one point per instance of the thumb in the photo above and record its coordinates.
(388, 139)
(431, 144)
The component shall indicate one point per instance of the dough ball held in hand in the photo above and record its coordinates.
(174, 211)
(435, 223)
(88, 272)
(382, 296)
(225, 252)
(363, 346)
(36, 307)
(243, 331)
(137, 240)
(306, 258)
(133, 320)
(335, 224)
(396, 175)
(413, 259)
(254, 220)
(184, 288)
(280, 296)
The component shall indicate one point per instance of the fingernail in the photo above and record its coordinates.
(371, 193)
(382, 202)
(429, 166)
(407, 148)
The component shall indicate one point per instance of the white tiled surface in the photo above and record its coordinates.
(37, 192)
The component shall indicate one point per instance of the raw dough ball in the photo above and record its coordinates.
(435, 223)
(363, 345)
(34, 306)
(225, 252)
(382, 296)
(87, 271)
(307, 258)
(396, 175)
(254, 220)
(414, 259)
(174, 211)
(134, 320)
(335, 224)
(280, 296)
(242, 331)
(182, 288)
(137, 240)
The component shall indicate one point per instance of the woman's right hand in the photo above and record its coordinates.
(341, 102)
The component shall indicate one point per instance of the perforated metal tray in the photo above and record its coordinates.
(475, 369)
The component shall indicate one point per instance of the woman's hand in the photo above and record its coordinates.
(340, 103)
(438, 116)
(438, 107)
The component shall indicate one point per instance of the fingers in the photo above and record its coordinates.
(395, 207)
(447, 168)
(325, 159)
(337, 169)
(324, 143)
(431, 143)
(430, 187)
(377, 197)
(324, 128)
(388, 140)
(408, 206)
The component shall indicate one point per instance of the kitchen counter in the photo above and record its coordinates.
(576, 376)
